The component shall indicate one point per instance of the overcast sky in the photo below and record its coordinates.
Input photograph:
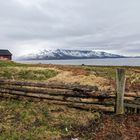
(27, 26)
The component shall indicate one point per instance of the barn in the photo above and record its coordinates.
(5, 55)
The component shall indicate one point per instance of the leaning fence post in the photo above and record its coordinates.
(120, 81)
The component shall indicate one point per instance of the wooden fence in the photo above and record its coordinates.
(77, 96)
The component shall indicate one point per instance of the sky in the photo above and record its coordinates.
(29, 26)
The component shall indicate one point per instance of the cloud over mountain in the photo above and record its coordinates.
(31, 25)
(68, 54)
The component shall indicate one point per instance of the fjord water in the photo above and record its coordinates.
(100, 62)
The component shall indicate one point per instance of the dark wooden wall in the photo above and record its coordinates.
(5, 57)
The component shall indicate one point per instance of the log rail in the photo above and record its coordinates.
(77, 96)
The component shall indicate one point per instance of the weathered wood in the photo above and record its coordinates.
(75, 91)
(80, 105)
(132, 108)
(129, 98)
(132, 94)
(57, 92)
(85, 106)
(71, 104)
(120, 80)
(77, 96)
(60, 98)
(132, 105)
(132, 102)
(75, 87)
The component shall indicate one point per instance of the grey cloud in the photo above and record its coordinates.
(83, 24)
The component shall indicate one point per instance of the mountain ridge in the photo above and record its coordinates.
(59, 54)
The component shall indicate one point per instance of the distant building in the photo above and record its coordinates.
(5, 55)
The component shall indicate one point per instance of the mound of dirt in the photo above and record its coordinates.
(68, 77)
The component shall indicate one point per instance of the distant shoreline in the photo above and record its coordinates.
(74, 58)
(97, 62)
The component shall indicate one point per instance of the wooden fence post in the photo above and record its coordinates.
(120, 81)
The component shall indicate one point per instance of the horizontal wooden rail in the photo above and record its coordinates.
(132, 108)
(60, 97)
(132, 105)
(64, 92)
(78, 96)
(83, 90)
(49, 85)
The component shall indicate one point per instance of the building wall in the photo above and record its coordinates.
(8, 57)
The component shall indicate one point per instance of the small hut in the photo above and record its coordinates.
(5, 55)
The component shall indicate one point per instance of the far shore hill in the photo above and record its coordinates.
(62, 54)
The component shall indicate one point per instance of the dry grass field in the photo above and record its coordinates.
(36, 119)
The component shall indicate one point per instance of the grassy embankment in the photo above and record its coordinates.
(109, 72)
(38, 120)
(33, 120)
(16, 71)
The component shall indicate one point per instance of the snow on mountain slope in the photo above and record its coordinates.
(68, 54)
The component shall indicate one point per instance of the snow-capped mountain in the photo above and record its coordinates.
(69, 54)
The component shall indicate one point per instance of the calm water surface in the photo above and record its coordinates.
(106, 62)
